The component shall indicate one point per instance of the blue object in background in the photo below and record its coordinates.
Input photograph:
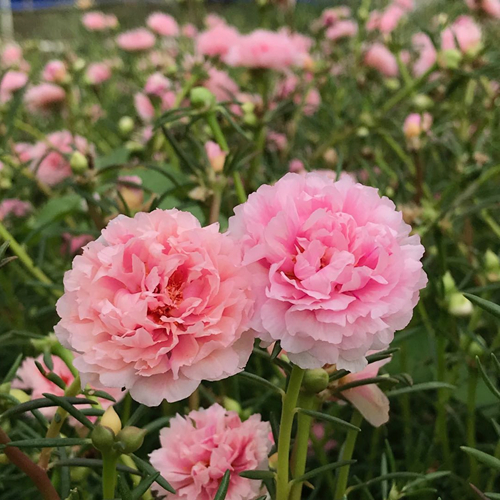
(38, 4)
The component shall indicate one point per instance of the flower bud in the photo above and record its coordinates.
(315, 380)
(134, 146)
(231, 405)
(111, 420)
(248, 107)
(79, 164)
(450, 59)
(202, 98)
(449, 283)
(459, 305)
(126, 125)
(79, 64)
(476, 349)
(492, 265)
(215, 155)
(130, 439)
(102, 438)
(423, 102)
(250, 119)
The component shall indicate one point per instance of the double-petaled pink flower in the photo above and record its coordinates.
(55, 72)
(162, 24)
(98, 21)
(11, 82)
(334, 268)
(44, 98)
(156, 305)
(464, 31)
(136, 40)
(379, 57)
(98, 73)
(217, 41)
(196, 451)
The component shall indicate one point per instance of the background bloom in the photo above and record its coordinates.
(44, 97)
(98, 73)
(14, 207)
(334, 269)
(466, 32)
(156, 305)
(11, 81)
(379, 57)
(217, 40)
(98, 21)
(136, 40)
(196, 451)
(163, 24)
(55, 71)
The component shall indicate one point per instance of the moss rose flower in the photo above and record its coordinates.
(335, 270)
(156, 305)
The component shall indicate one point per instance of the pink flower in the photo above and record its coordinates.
(416, 124)
(331, 16)
(266, 49)
(373, 22)
(30, 378)
(296, 166)
(368, 399)
(144, 107)
(217, 40)
(168, 100)
(492, 7)
(157, 84)
(27, 152)
(221, 85)
(12, 55)
(390, 18)
(334, 269)
(213, 20)
(379, 57)
(215, 156)
(11, 82)
(428, 55)
(136, 40)
(407, 5)
(189, 30)
(312, 102)
(342, 29)
(55, 72)
(156, 305)
(98, 73)
(98, 21)
(51, 158)
(12, 207)
(73, 244)
(196, 451)
(277, 141)
(162, 24)
(466, 32)
(44, 97)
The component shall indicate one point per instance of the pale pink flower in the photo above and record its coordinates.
(368, 399)
(156, 305)
(416, 124)
(427, 53)
(157, 84)
(144, 107)
(189, 30)
(215, 156)
(407, 5)
(276, 140)
(98, 73)
(12, 207)
(27, 152)
(389, 19)
(342, 29)
(379, 57)
(44, 97)
(162, 24)
(55, 72)
(287, 86)
(334, 269)
(29, 378)
(11, 82)
(373, 22)
(12, 55)
(266, 49)
(130, 189)
(491, 7)
(98, 21)
(217, 41)
(221, 85)
(212, 20)
(136, 40)
(51, 158)
(73, 244)
(331, 16)
(296, 166)
(312, 102)
(466, 32)
(168, 100)
(196, 450)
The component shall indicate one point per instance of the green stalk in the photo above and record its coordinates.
(185, 91)
(256, 160)
(285, 435)
(109, 461)
(471, 421)
(217, 131)
(441, 420)
(347, 451)
(240, 189)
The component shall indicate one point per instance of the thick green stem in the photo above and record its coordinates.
(347, 451)
(471, 421)
(109, 461)
(299, 456)
(285, 435)
(66, 356)
(57, 422)
(217, 131)
(240, 189)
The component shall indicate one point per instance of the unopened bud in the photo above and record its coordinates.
(126, 125)
(111, 420)
(134, 146)
(315, 380)
(102, 438)
(130, 439)
(476, 349)
(423, 102)
(231, 405)
(459, 305)
(250, 119)
(79, 163)
(202, 98)
(215, 155)
(450, 59)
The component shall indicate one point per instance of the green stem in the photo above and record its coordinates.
(23, 256)
(471, 420)
(299, 455)
(256, 160)
(57, 422)
(441, 420)
(109, 461)
(217, 131)
(185, 91)
(347, 451)
(240, 189)
(285, 435)
(59, 351)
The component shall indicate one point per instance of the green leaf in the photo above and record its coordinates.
(316, 472)
(486, 305)
(386, 477)
(92, 463)
(147, 468)
(157, 424)
(57, 208)
(3, 248)
(13, 369)
(118, 157)
(46, 443)
(368, 381)
(47, 359)
(223, 487)
(425, 386)
(258, 474)
(378, 356)
(339, 423)
(144, 486)
(493, 496)
(487, 379)
(276, 350)
(43, 403)
(260, 380)
(123, 488)
(78, 415)
(484, 458)
(101, 394)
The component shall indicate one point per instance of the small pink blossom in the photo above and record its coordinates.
(11, 82)
(221, 85)
(390, 18)
(98, 21)
(334, 268)
(44, 97)
(416, 124)
(466, 32)
(490, 7)
(189, 30)
(144, 107)
(73, 244)
(55, 72)
(373, 22)
(312, 102)
(276, 140)
(296, 166)
(136, 40)
(342, 29)
(12, 55)
(157, 84)
(12, 207)
(98, 73)
(215, 155)
(156, 305)
(162, 24)
(197, 449)
(217, 41)
(168, 100)
(379, 57)
(427, 53)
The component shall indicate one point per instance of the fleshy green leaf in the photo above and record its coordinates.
(486, 305)
(339, 423)
(484, 458)
(223, 487)
(425, 386)
(316, 472)
(78, 415)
